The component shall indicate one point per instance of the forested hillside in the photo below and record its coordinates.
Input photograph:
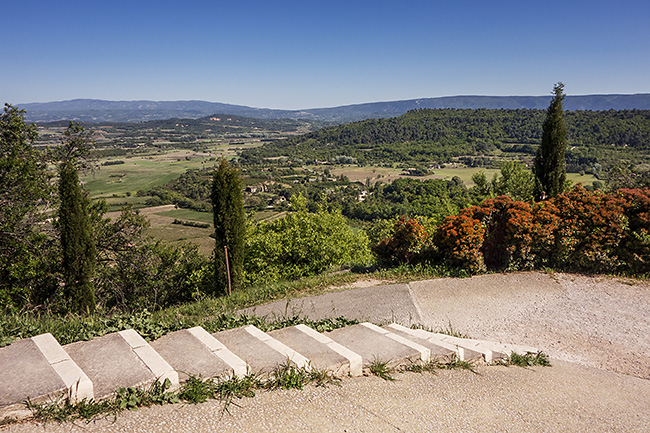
(425, 136)
(94, 110)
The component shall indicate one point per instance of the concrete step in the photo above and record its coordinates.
(491, 351)
(195, 352)
(373, 343)
(464, 352)
(467, 348)
(122, 359)
(323, 352)
(260, 351)
(442, 354)
(38, 369)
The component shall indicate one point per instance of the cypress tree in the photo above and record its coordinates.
(77, 243)
(549, 168)
(79, 252)
(229, 225)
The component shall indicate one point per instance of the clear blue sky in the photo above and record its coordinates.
(312, 53)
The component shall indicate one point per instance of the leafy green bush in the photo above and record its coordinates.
(152, 275)
(191, 223)
(301, 244)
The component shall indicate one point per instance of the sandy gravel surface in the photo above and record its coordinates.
(597, 321)
(564, 398)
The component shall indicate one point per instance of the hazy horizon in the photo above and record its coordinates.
(314, 107)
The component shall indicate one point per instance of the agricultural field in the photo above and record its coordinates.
(118, 184)
(142, 172)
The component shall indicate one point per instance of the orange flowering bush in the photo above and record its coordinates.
(405, 243)
(495, 235)
(577, 230)
(459, 239)
(589, 232)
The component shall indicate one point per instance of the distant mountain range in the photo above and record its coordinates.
(95, 110)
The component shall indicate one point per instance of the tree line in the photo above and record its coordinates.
(428, 135)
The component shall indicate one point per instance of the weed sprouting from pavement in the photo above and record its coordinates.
(434, 365)
(65, 409)
(323, 378)
(381, 369)
(529, 359)
(288, 376)
(456, 363)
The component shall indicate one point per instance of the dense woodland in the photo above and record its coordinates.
(595, 139)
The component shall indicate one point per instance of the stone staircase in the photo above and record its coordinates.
(40, 369)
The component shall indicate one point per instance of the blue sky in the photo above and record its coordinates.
(312, 53)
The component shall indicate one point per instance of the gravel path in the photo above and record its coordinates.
(564, 398)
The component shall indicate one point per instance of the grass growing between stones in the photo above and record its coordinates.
(448, 330)
(529, 359)
(434, 365)
(381, 369)
(195, 390)
(125, 399)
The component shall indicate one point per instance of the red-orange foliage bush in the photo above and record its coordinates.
(459, 239)
(495, 235)
(590, 229)
(577, 230)
(405, 244)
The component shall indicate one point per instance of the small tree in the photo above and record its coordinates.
(549, 168)
(515, 181)
(24, 195)
(229, 225)
(75, 228)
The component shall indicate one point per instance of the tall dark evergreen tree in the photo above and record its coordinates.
(549, 168)
(77, 240)
(229, 226)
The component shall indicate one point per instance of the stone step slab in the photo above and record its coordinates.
(443, 355)
(261, 352)
(323, 352)
(120, 360)
(373, 343)
(465, 349)
(195, 352)
(38, 369)
(492, 351)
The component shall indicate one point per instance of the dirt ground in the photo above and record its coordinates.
(601, 322)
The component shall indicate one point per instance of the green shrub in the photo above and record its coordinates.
(302, 244)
